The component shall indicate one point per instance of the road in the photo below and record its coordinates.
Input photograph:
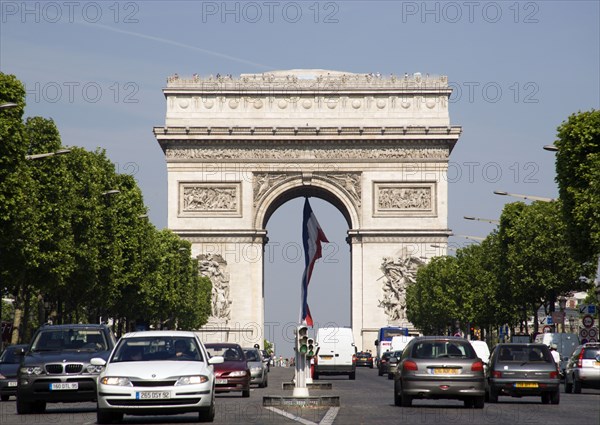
(367, 400)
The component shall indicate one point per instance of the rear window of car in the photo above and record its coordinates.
(524, 353)
(438, 349)
(590, 353)
(229, 353)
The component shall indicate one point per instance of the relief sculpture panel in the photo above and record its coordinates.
(404, 199)
(209, 199)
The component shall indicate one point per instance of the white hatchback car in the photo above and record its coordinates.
(156, 373)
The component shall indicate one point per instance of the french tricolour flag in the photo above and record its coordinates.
(312, 236)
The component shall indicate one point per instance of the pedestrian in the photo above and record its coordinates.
(555, 353)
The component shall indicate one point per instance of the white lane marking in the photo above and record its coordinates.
(291, 416)
(330, 416)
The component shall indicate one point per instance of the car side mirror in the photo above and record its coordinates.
(216, 360)
(98, 361)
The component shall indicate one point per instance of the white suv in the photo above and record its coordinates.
(583, 368)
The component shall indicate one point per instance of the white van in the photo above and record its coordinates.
(336, 352)
(399, 342)
(565, 344)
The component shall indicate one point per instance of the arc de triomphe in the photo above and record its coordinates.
(375, 147)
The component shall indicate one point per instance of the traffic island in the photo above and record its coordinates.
(310, 401)
(310, 386)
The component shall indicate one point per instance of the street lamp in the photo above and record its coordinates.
(46, 155)
(529, 197)
(487, 220)
(111, 192)
(562, 304)
(8, 105)
(551, 148)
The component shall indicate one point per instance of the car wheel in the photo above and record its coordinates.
(380, 372)
(207, 414)
(493, 395)
(39, 407)
(4, 397)
(104, 417)
(545, 398)
(576, 386)
(397, 398)
(246, 393)
(568, 386)
(469, 402)
(390, 376)
(554, 397)
(406, 400)
(24, 407)
(478, 402)
(352, 376)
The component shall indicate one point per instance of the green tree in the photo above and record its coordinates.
(578, 178)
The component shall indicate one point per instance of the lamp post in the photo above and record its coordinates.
(46, 155)
(562, 304)
(528, 197)
(487, 220)
(551, 148)
(7, 105)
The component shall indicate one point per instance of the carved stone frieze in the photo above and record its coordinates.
(304, 153)
(214, 267)
(398, 199)
(399, 272)
(209, 198)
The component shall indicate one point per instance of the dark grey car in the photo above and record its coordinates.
(519, 370)
(439, 367)
(56, 367)
(9, 365)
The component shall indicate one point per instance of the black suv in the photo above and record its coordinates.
(56, 366)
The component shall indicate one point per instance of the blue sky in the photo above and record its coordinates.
(518, 68)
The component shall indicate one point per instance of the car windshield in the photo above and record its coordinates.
(524, 354)
(70, 340)
(157, 348)
(230, 353)
(252, 355)
(11, 355)
(439, 349)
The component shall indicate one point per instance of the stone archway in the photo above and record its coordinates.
(376, 148)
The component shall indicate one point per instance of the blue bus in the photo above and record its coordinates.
(384, 338)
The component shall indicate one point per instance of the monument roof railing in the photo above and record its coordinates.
(308, 81)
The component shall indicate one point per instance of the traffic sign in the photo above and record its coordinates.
(593, 332)
(588, 321)
(549, 320)
(547, 329)
(587, 309)
(583, 333)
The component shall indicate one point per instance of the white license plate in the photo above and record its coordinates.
(152, 395)
(12, 383)
(64, 386)
(221, 381)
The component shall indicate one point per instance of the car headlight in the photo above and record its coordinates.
(255, 369)
(190, 380)
(94, 369)
(2, 376)
(116, 380)
(32, 370)
(238, 373)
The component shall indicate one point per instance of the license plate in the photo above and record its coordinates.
(64, 386)
(526, 385)
(444, 371)
(220, 381)
(152, 395)
(326, 357)
(12, 383)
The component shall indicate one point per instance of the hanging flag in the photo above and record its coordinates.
(312, 236)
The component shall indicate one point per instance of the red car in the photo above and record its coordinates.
(233, 374)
